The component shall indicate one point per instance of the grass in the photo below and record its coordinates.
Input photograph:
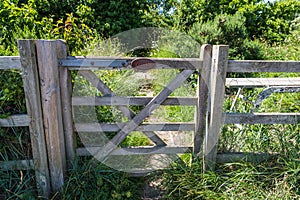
(278, 178)
(273, 179)
(91, 180)
(17, 185)
(270, 180)
(15, 145)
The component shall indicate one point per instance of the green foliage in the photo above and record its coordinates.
(189, 12)
(242, 24)
(15, 145)
(17, 185)
(13, 19)
(75, 32)
(12, 98)
(288, 50)
(136, 139)
(107, 17)
(96, 181)
(175, 44)
(160, 13)
(265, 21)
(260, 138)
(74, 21)
(270, 21)
(172, 113)
(229, 30)
(236, 180)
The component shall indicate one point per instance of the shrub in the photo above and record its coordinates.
(229, 30)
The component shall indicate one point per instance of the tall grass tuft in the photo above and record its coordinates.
(91, 180)
(275, 180)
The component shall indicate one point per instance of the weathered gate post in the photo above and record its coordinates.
(216, 115)
(66, 102)
(48, 55)
(41, 77)
(202, 97)
(30, 76)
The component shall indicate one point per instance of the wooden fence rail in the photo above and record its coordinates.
(46, 73)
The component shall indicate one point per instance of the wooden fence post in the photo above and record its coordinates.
(216, 115)
(66, 100)
(202, 90)
(48, 54)
(30, 76)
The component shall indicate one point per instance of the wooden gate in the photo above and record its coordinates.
(136, 121)
(47, 78)
(48, 89)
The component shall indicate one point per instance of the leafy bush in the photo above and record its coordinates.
(289, 50)
(229, 30)
(270, 22)
(75, 32)
(12, 98)
(107, 17)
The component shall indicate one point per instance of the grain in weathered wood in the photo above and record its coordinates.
(138, 119)
(105, 63)
(215, 112)
(87, 151)
(66, 92)
(230, 118)
(30, 76)
(126, 101)
(262, 82)
(15, 121)
(94, 63)
(202, 97)
(17, 165)
(10, 62)
(232, 157)
(105, 127)
(262, 118)
(263, 66)
(47, 55)
(129, 114)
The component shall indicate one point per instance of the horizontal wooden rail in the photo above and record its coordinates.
(15, 121)
(16, 165)
(75, 63)
(103, 127)
(231, 118)
(10, 62)
(79, 63)
(262, 118)
(262, 82)
(137, 101)
(263, 66)
(135, 151)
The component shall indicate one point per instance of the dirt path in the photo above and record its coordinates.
(152, 189)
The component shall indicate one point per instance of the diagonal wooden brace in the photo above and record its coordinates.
(138, 119)
(96, 82)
